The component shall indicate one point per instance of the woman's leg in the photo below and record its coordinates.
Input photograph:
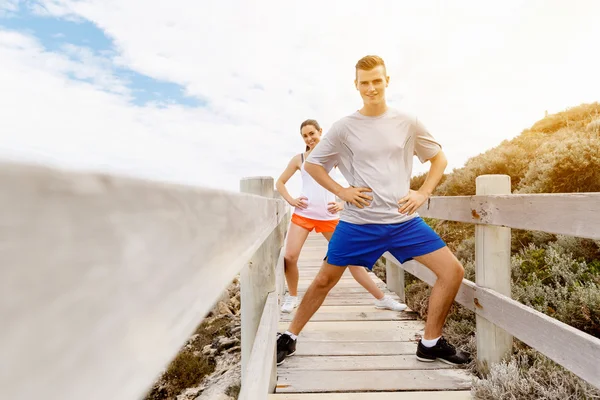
(296, 237)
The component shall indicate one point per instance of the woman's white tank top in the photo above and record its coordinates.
(318, 198)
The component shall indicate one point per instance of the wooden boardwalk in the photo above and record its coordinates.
(351, 350)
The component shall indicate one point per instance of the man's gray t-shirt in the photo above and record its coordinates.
(376, 152)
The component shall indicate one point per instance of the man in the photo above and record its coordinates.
(374, 148)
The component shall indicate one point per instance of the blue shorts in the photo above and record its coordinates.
(353, 244)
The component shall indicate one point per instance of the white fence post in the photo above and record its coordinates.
(283, 228)
(394, 279)
(492, 270)
(257, 278)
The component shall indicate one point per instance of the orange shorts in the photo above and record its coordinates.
(318, 225)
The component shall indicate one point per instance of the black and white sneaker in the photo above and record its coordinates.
(286, 346)
(442, 351)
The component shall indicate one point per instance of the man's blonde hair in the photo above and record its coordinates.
(367, 63)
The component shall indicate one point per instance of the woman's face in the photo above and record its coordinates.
(311, 135)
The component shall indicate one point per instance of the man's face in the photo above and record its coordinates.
(371, 85)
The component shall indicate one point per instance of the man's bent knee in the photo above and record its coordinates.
(325, 280)
(455, 272)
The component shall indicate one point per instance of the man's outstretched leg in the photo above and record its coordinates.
(326, 279)
(449, 274)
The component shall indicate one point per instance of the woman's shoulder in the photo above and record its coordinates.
(297, 160)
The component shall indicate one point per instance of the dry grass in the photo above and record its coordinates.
(190, 366)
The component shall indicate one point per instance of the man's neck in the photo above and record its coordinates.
(374, 111)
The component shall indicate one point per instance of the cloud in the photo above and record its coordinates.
(8, 7)
(475, 74)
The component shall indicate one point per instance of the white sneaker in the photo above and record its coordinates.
(289, 304)
(388, 303)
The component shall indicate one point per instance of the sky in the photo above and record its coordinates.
(206, 92)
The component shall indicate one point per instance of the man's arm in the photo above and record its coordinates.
(439, 162)
(415, 198)
(319, 174)
(352, 195)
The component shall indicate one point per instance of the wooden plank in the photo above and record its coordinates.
(359, 331)
(345, 290)
(523, 211)
(261, 362)
(578, 351)
(314, 348)
(353, 381)
(454, 395)
(349, 308)
(372, 315)
(343, 283)
(374, 326)
(354, 363)
(115, 271)
(349, 301)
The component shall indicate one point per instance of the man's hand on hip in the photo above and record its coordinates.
(356, 196)
(411, 202)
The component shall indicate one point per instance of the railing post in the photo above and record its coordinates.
(257, 278)
(394, 279)
(492, 270)
(282, 229)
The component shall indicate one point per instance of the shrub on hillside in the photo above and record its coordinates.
(570, 163)
(553, 282)
(530, 375)
(514, 157)
(574, 117)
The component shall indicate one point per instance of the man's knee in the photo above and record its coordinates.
(324, 281)
(455, 271)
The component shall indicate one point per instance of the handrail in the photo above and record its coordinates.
(572, 214)
(104, 278)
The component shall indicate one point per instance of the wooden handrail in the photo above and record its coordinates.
(104, 278)
(572, 214)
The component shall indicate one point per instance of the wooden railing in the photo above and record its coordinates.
(103, 279)
(499, 318)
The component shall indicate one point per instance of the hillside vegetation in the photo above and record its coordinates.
(555, 274)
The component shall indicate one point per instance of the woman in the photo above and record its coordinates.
(316, 209)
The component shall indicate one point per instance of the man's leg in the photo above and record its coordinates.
(415, 239)
(326, 279)
(449, 272)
